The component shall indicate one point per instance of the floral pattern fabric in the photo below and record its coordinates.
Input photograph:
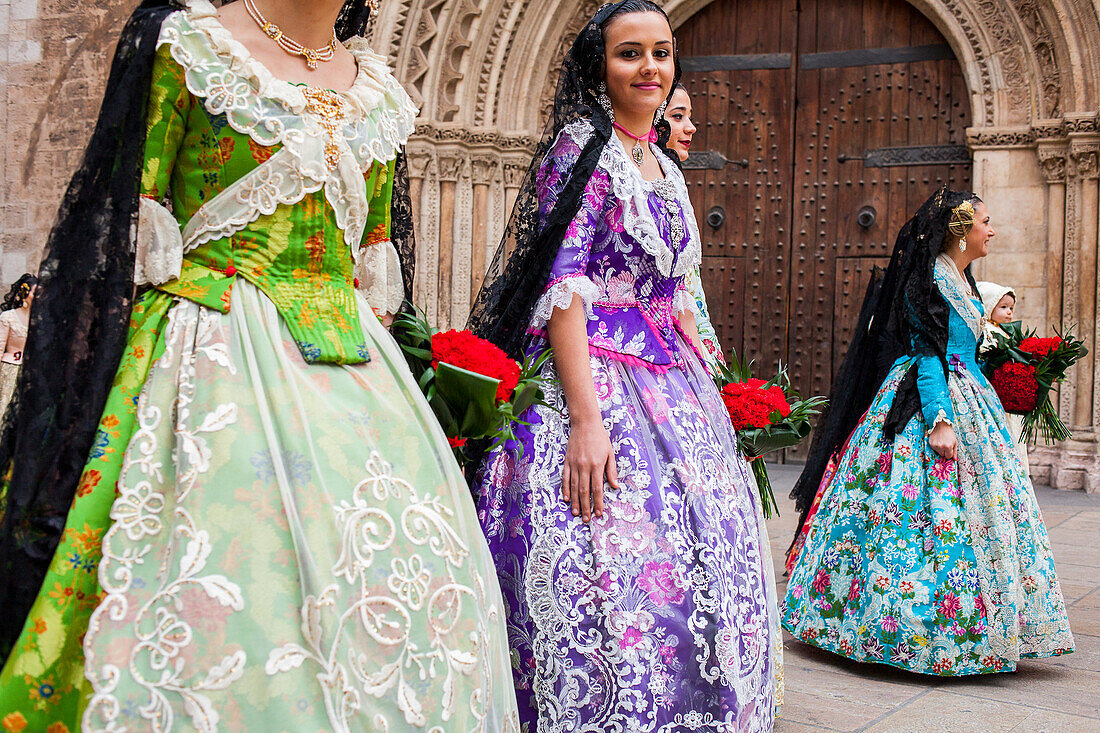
(657, 616)
(618, 255)
(937, 566)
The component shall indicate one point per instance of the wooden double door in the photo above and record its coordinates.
(823, 124)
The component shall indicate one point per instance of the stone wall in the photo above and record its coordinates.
(54, 56)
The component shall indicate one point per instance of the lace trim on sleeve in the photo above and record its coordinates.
(378, 272)
(684, 300)
(941, 417)
(159, 255)
(559, 294)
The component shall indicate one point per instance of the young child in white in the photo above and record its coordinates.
(999, 302)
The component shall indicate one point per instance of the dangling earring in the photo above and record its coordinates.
(962, 244)
(605, 101)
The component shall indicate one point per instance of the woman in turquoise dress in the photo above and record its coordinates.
(928, 550)
(269, 531)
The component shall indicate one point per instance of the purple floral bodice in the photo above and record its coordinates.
(626, 253)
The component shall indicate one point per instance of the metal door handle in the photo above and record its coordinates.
(716, 217)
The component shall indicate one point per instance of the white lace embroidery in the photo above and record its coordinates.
(632, 190)
(560, 295)
(941, 418)
(684, 300)
(159, 255)
(378, 270)
(365, 530)
(219, 71)
(163, 633)
(954, 290)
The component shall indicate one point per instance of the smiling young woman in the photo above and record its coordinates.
(628, 535)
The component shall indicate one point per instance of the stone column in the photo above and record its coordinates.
(419, 162)
(450, 168)
(483, 169)
(514, 171)
(1083, 154)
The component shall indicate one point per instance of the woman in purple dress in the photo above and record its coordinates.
(628, 536)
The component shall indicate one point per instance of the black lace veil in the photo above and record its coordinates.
(80, 317)
(902, 313)
(519, 271)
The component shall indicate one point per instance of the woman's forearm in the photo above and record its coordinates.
(569, 338)
(687, 322)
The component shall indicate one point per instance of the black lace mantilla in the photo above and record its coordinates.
(80, 317)
(902, 313)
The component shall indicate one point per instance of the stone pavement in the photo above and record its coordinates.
(1061, 695)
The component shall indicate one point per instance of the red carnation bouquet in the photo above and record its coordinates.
(767, 416)
(473, 388)
(1023, 369)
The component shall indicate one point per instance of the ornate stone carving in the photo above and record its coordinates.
(416, 65)
(462, 27)
(513, 174)
(1076, 123)
(418, 163)
(1053, 163)
(1084, 163)
(488, 138)
(483, 167)
(1000, 137)
(1042, 44)
(489, 66)
(451, 167)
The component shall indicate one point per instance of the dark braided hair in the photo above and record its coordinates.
(18, 293)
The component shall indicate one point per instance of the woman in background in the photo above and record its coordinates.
(681, 131)
(927, 551)
(15, 316)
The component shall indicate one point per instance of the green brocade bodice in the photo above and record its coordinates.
(209, 127)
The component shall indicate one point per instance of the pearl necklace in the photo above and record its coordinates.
(292, 47)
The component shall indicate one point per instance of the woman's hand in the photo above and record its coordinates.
(589, 457)
(942, 440)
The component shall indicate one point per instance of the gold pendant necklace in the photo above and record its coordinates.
(292, 47)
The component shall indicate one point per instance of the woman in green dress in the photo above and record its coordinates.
(269, 531)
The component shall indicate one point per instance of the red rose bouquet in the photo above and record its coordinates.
(1023, 369)
(767, 416)
(472, 386)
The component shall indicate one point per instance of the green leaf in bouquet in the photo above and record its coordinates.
(775, 437)
(471, 398)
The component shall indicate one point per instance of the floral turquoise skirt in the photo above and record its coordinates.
(928, 564)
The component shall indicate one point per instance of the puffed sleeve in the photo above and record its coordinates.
(568, 275)
(5, 330)
(159, 241)
(377, 266)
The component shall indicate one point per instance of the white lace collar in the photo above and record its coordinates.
(955, 290)
(633, 191)
(375, 97)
